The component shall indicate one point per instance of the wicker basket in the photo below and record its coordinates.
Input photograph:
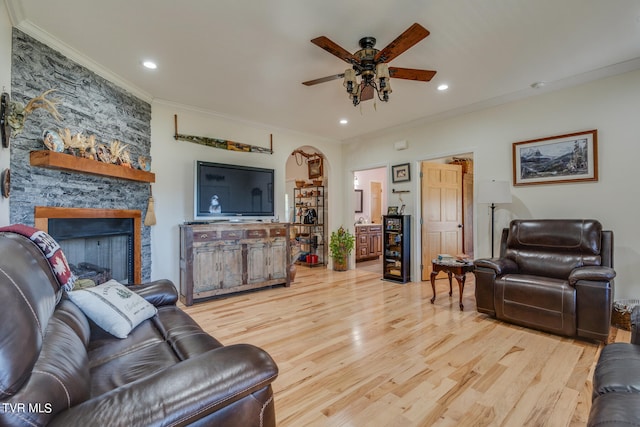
(621, 314)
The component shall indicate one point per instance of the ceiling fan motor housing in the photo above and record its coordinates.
(366, 56)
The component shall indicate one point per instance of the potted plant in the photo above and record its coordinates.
(341, 244)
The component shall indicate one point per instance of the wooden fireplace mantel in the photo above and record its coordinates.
(42, 214)
(53, 160)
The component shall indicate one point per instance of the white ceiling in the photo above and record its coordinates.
(246, 59)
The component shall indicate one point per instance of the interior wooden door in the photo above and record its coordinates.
(376, 202)
(441, 212)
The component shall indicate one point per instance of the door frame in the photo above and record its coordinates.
(416, 238)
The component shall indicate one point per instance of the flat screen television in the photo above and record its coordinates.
(232, 192)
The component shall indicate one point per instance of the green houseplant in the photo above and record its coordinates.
(341, 244)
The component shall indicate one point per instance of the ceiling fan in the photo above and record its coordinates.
(370, 63)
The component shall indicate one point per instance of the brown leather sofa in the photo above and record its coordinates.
(58, 368)
(552, 275)
(616, 382)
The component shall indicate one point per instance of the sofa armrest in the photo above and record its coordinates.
(182, 394)
(594, 303)
(635, 325)
(158, 292)
(499, 265)
(593, 273)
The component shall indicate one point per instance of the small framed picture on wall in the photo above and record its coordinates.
(315, 168)
(400, 173)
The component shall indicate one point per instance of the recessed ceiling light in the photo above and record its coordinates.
(150, 65)
(344, 121)
(443, 86)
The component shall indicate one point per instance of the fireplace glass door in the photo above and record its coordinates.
(99, 249)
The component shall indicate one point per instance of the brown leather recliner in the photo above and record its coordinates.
(552, 275)
(59, 368)
(616, 382)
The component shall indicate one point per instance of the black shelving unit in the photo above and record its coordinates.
(310, 232)
(397, 248)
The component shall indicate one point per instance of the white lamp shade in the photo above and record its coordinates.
(494, 192)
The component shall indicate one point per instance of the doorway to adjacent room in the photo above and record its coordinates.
(370, 203)
(446, 209)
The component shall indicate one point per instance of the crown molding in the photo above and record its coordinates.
(16, 13)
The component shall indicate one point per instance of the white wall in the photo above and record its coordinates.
(173, 163)
(5, 86)
(610, 105)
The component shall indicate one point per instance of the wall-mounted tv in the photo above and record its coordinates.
(232, 192)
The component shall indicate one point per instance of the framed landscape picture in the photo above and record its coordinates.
(556, 159)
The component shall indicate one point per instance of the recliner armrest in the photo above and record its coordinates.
(182, 394)
(635, 325)
(499, 265)
(592, 273)
(159, 292)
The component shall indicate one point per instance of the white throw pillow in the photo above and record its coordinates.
(113, 307)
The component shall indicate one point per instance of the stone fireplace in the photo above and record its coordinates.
(92, 105)
(107, 241)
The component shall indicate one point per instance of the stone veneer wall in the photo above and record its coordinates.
(89, 104)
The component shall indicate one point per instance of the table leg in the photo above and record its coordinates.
(461, 278)
(433, 285)
(450, 290)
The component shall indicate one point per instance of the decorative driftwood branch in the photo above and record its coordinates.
(221, 143)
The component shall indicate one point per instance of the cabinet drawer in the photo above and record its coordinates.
(375, 229)
(204, 236)
(231, 234)
(255, 234)
(275, 232)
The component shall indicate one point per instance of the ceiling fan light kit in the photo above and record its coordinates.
(371, 65)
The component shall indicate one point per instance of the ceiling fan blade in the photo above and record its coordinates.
(411, 74)
(323, 79)
(366, 93)
(334, 49)
(404, 41)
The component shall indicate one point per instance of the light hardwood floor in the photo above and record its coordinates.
(357, 351)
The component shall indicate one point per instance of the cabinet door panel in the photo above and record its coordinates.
(278, 259)
(257, 256)
(206, 266)
(375, 245)
(231, 265)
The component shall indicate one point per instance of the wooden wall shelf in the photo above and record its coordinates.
(53, 160)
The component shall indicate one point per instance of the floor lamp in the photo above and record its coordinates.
(493, 192)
